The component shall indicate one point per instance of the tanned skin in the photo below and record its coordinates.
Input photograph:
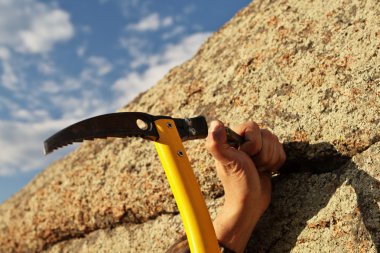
(245, 174)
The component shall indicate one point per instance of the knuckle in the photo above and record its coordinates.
(266, 134)
(256, 147)
(252, 125)
(265, 159)
(251, 148)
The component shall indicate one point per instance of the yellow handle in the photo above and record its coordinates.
(192, 207)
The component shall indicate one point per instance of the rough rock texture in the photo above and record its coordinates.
(307, 70)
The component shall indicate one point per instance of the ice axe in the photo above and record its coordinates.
(167, 133)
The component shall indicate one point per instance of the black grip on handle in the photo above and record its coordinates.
(199, 124)
(234, 139)
(191, 128)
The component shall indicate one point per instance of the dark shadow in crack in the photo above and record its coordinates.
(306, 184)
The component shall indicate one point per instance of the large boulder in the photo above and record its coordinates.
(307, 70)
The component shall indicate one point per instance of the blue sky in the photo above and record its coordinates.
(63, 61)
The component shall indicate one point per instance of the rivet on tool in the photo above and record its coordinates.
(192, 131)
(169, 125)
(180, 153)
(188, 121)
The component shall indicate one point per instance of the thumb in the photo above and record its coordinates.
(217, 145)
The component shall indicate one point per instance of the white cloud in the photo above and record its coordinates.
(7, 104)
(4, 54)
(81, 50)
(134, 45)
(102, 65)
(81, 106)
(152, 22)
(71, 84)
(46, 67)
(8, 78)
(167, 21)
(28, 26)
(45, 31)
(26, 115)
(176, 31)
(189, 8)
(22, 136)
(133, 83)
(11, 75)
(50, 86)
(131, 7)
(182, 51)
(22, 144)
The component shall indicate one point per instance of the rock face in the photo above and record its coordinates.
(307, 70)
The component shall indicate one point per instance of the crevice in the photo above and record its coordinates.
(72, 235)
(313, 158)
(316, 158)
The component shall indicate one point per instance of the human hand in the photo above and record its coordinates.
(245, 174)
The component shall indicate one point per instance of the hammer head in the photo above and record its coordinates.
(124, 124)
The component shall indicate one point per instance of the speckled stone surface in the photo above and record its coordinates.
(330, 212)
(307, 70)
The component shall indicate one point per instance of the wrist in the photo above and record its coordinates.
(234, 226)
(243, 204)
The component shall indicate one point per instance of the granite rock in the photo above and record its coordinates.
(307, 70)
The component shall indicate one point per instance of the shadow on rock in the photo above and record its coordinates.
(307, 207)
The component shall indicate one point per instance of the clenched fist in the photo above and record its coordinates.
(245, 174)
